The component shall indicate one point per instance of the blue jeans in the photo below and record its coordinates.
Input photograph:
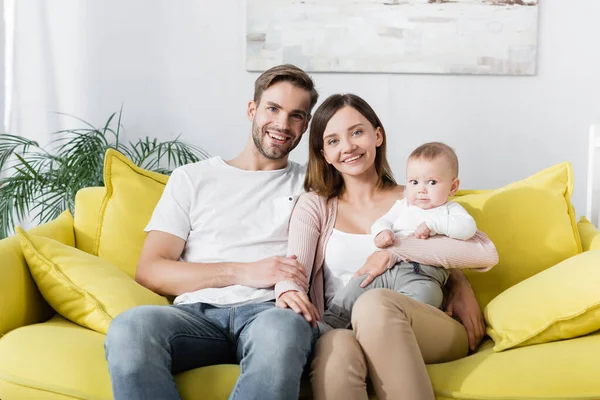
(146, 345)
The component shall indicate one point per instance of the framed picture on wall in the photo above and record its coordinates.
(496, 37)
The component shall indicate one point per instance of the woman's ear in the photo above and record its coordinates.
(454, 186)
(325, 157)
(379, 134)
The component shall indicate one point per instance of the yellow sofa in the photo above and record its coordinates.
(45, 356)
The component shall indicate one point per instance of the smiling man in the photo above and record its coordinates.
(217, 240)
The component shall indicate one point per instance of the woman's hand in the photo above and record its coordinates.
(376, 264)
(300, 303)
(463, 306)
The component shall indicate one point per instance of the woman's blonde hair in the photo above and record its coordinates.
(321, 177)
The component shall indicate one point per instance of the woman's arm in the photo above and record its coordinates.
(476, 253)
(304, 235)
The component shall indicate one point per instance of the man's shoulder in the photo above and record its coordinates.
(208, 163)
(194, 172)
(295, 168)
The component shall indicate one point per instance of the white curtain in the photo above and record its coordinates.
(40, 68)
(42, 42)
(2, 70)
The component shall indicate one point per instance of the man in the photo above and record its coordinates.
(217, 240)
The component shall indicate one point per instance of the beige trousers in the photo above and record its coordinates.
(392, 338)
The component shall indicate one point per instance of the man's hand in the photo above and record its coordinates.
(300, 303)
(376, 264)
(384, 239)
(267, 272)
(422, 231)
(463, 306)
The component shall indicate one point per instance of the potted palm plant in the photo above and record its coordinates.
(40, 183)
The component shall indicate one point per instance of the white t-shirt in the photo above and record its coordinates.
(449, 219)
(227, 214)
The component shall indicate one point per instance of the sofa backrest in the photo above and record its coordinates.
(87, 210)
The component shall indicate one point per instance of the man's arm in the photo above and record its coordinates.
(160, 270)
(462, 305)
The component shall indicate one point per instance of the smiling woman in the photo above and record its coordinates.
(393, 332)
(343, 144)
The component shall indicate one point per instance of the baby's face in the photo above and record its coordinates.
(429, 183)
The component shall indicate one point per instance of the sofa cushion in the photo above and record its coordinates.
(565, 370)
(82, 287)
(561, 302)
(590, 235)
(532, 224)
(66, 359)
(131, 195)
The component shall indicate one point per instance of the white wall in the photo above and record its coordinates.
(178, 67)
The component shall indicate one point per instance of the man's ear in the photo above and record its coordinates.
(379, 134)
(306, 123)
(454, 186)
(251, 110)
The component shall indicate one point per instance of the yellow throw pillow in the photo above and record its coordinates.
(561, 302)
(590, 235)
(131, 195)
(532, 224)
(81, 287)
(20, 301)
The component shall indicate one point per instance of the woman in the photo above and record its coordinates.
(392, 336)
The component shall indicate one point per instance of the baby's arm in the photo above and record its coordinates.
(456, 223)
(382, 230)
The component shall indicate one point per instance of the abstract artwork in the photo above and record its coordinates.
(496, 37)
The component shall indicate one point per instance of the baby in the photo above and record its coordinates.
(431, 178)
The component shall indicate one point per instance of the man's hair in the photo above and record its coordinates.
(321, 177)
(432, 150)
(285, 73)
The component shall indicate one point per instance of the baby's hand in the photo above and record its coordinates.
(384, 239)
(422, 231)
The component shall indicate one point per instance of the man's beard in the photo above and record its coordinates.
(271, 152)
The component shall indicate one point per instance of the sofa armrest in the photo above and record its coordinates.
(20, 301)
(590, 236)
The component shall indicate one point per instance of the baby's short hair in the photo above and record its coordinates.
(432, 150)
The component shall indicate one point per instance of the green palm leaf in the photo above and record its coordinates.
(42, 183)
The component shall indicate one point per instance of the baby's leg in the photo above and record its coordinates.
(339, 313)
(421, 282)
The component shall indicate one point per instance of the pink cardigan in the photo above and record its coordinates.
(311, 225)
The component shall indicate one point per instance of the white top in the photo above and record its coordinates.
(450, 219)
(345, 254)
(226, 214)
